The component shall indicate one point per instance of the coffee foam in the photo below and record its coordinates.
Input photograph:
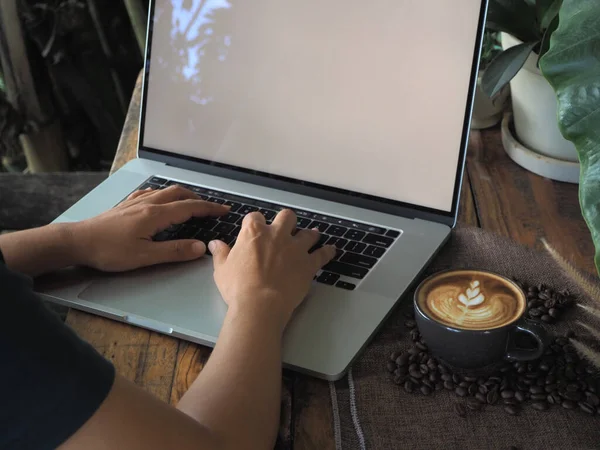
(471, 300)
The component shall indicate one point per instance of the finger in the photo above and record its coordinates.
(322, 256)
(183, 210)
(174, 251)
(137, 194)
(308, 238)
(253, 218)
(220, 251)
(286, 221)
(170, 194)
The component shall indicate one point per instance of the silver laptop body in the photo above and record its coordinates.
(358, 112)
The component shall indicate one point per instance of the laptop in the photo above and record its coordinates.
(355, 115)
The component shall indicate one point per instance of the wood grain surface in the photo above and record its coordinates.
(496, 195)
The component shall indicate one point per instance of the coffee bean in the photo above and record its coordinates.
(449, 385)
(522, 387)
(512, 410)
(469, 378)
(415, 374)
(587, 408)
(415, 335)
(410, 324)
(394, 356)
(424, 369)
(446, 377)
(391, 366)
(520, 396)
(473, 389)
(464, 384)
(550, 399)
(568, 404)
(540, 406)
(456, 378)
(460, 410)
(474, 405)
(554, 313)
(402, 360)
(557, 399)
(510, 401)
(527, 382)
(432, 365)
(507, 394)
(439, 386)
(544, 296)
(427, 383)
(573, 387)
(460, 391)
(483, 389)
(492, 397)
(538, 396)
(425, 390)
(415, 381)
(540, 382)
(550, 379)
(433, 377)
(551, 387)
(592, 399)
(536, 390)
(547, 318)
(442, 368)
(535, 312)
(480, 397)
(550, 303)
(575, 396)
(421, 346)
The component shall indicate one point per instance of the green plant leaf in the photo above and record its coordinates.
(549, 12)
(515, 17)
(545, 45)
(572, 66)
(505, 67)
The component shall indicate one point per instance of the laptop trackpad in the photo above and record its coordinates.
(182, 296)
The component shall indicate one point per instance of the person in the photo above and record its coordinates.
(58, 392)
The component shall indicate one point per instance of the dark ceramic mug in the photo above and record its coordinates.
(466, 348)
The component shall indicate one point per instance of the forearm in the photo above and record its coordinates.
(40, 250)
(238, 394)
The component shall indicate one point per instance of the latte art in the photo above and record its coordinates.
(471, 300)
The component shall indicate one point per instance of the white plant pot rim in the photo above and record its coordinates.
(545, 166)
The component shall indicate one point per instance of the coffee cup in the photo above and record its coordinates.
(471, 318)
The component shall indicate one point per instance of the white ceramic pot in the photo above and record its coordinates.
(487, 112)
(535, 110)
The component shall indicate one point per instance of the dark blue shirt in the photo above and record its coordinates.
(51, 382)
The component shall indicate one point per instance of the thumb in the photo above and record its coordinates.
(177, 250)
(220, 251)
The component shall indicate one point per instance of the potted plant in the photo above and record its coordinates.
(487, 111)
(572, 66)
(535, 142)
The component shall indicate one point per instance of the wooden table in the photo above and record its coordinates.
(497, 195)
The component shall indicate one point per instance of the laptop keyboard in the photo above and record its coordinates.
(359, 246)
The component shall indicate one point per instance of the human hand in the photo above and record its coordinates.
(268, 268)
(121, 238)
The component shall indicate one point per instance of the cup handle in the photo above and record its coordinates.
(538, 333)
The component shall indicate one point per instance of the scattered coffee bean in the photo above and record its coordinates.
(480, 397)
(568, 404)
(550, 387)
(415, 381)
(460, 410)
(421, 346)
(507, 394)
(512, 410)
(446, 377)
(410, 324)
(492, 397)
(554, 313)
(464, 384)
(575, 396)
(460, 391)
(587, 408)
(520, 396)
(394, 356)
(414, 335)
(473, 389)
(483, 389)
(573, 387)
(402, 360)
(439, 386)
(449, 385)
(456, 378)
(592, 399)
(536, 390)
(442, 368)
(538, 397)
(540, 406)
(510, 401)
(391, 366)
(474, 405)
(425, 390)
(427, 383)
(424, 369)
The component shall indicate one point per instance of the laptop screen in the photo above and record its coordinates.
(368, 97)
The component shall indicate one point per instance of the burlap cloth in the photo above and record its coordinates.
(371, 412)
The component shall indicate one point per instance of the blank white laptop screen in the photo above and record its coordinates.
(366, 96)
